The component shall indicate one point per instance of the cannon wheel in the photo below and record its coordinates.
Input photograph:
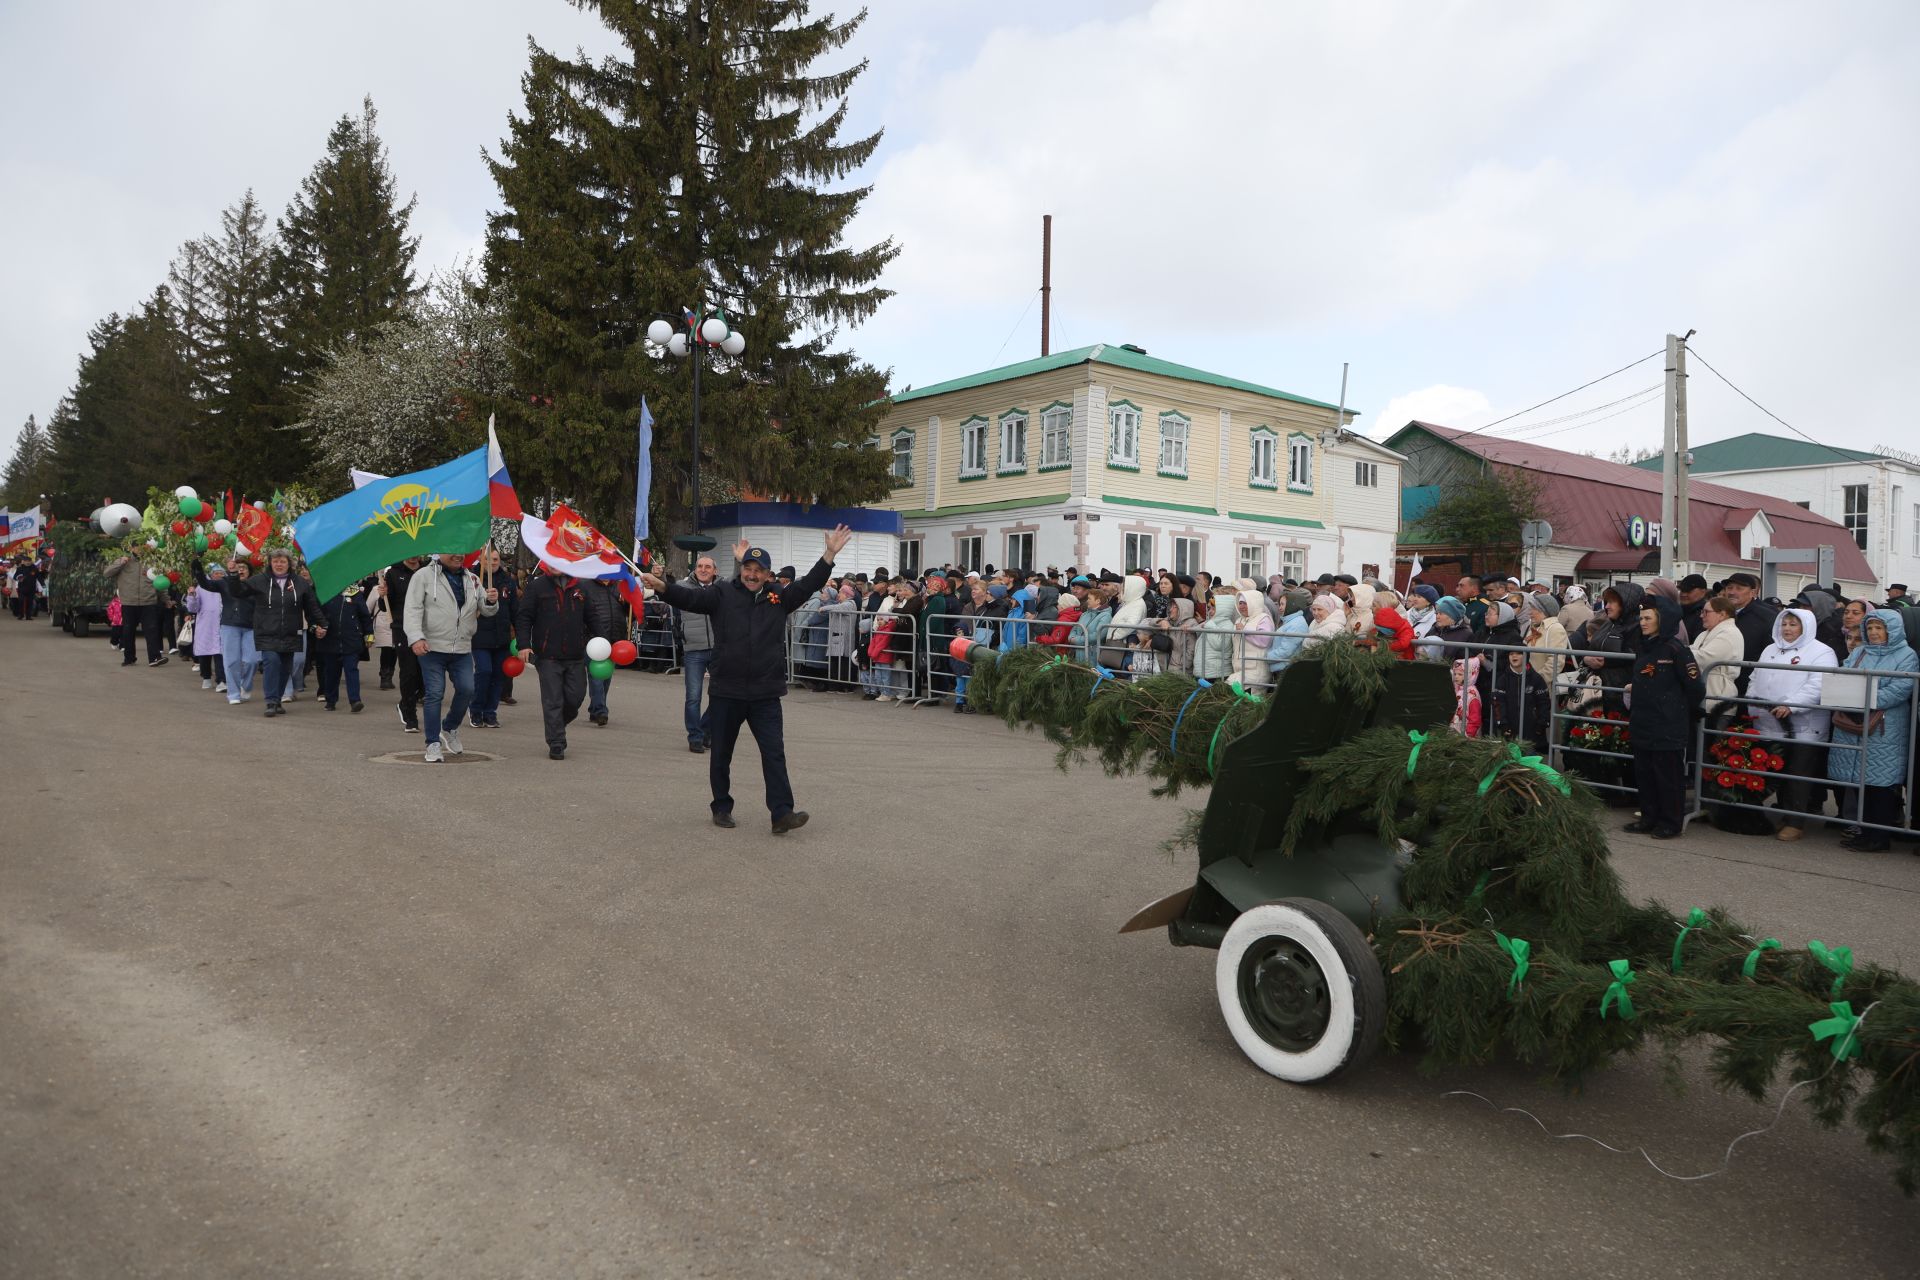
(1301, 990)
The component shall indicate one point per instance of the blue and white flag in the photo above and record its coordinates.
(643, 478)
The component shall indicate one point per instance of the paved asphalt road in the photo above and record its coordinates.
(270, 1007)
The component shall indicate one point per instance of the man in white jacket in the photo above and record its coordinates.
(444, 605)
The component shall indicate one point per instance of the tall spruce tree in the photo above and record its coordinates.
(249, 441)
(30, 471)
(125, 423)
(694, 169)
(344, 261)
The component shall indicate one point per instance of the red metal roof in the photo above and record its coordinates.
(1592, 500)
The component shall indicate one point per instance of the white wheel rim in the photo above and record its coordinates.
(1335, 1047)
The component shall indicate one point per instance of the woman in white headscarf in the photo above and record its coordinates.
(1575, 612)
(1786, 707)
(1360, 614)
(1329, 620)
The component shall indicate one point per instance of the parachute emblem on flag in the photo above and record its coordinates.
(401, 513)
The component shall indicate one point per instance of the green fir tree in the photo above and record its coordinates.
(30, 471)
(702, 166)
(244, 378)
(343, 264)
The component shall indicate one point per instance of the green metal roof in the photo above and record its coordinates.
(1105, 353)
(1757, 451)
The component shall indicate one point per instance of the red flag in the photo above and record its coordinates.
(229, 504)
(255, 527)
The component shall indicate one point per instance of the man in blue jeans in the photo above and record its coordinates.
(444, 606)
(696, 655)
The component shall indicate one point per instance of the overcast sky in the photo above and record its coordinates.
(1478, 205)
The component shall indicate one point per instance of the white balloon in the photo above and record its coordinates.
(223, 527)
(119, 520)
(185, 491)
(599, 648)
(259, 506)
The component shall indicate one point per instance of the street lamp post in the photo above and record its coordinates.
(681, 341)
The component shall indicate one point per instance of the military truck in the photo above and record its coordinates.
(77, 594)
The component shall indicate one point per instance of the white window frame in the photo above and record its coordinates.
(911, 553)
(1257, 570)
(969, 552)
(1013, 443)
(1916, 528)
(1176, 436)
(973, 448)
(1130, 544)
(1366, 475)
(1056, 437)
(1263, 448)
(1026, 538)
(1186, 555)
(903, 456)
(1123, 435)
(1856, 521)
(1299, 462)
(1293, 563)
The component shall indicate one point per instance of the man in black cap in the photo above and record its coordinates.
(749, 671)
(1754, 617)
(1693, 598)
(1897, 594)
(786, 575)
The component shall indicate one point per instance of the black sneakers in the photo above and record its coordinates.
(789, 822)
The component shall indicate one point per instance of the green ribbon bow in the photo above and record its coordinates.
(1418, 739)
(1695, 918)
(1751, 964)
(1479, 889)
(1617, 992)
(1517, 949)
(1535, 763)
(1838, 959)
(1840, 1029)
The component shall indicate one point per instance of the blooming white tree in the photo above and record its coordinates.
(409, 399)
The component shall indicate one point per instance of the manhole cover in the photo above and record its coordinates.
(419, 757)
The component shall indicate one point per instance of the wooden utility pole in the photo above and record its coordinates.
(1669, 459)
(1682, 536)
(1046, 282)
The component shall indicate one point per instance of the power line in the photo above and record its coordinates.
(1550, 422)
(1695, 353)
(1646, 399)
(1564, 394)
(1016, 327)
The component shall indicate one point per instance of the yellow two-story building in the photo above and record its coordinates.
(1107, 457)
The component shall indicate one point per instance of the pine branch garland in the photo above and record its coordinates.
(1501, 850)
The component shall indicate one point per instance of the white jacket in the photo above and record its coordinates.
(1777, 688)
(434, 616)
(1720, 643)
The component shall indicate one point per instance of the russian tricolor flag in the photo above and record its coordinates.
(500, 494)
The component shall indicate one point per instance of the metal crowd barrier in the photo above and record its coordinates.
(1802, 750)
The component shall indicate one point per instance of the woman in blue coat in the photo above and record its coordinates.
(1886, 723)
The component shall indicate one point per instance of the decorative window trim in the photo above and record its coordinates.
(1045, 413)
(966, 426)
(1291, 486)
(907, 434)
(1254, 479)
(1001, 467)
(1186, 443)
(1114, 461)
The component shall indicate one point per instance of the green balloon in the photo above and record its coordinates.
(513, 648)
(601, 668)
(189, 507)
(199, 542)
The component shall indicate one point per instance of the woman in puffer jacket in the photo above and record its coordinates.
(1129, 613)
(1786, 708)
(1214, 655)
(1329, 621)
(1884, 727)
(1256, 633)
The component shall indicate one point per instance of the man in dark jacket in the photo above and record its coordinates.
(396, 579)
(1694, 594)
(342, 646)
(1754, 617)
(283, 607)
(749, 671)
(1666, 694)
(492, 640)
(555, 619)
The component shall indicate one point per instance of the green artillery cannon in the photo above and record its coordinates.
(1298, 981)
(1368, 876)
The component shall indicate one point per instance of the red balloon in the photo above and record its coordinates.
(173, 576)
(256, 559)
(624, 652)
(180, 528)
(205, 515)
(512, 667)
(215, 541)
